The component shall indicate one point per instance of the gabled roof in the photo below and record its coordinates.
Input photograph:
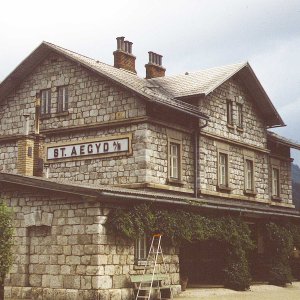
(138, 85)
(282, 140)
(197, 83)
(206, 81)
(167, 91)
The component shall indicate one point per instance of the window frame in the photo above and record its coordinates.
(178, 143)
(45, 102)
(249, 191)
(229, 112)
(223, 187)
(275, 195)
(174, 160)
(140, 250)
(239, 115)
(62, 100)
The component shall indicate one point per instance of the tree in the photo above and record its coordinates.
(6, 242)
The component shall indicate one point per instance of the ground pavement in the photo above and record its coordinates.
(257, 292)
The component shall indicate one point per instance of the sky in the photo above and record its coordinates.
(190, 34)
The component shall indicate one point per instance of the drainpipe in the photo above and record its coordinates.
(196, 157)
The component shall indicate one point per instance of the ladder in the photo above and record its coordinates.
(153, 278)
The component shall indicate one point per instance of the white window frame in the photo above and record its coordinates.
(45, 101)
(174, 159)
(223, 170)
(249, 175)
(275, 182)
(140, 250)
(62, 98)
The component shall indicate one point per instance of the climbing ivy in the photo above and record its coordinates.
(181, 226)
(6, 242)
(281, 239)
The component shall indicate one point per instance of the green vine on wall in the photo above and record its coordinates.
(182, 226)
(281, 240)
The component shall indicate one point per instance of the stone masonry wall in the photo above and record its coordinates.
(63, 249)
(123, 169)
(209, 169)
(8, 157)
(252, 134)
(91, 99)
(214, 105)
(286, 181)
(157, 156)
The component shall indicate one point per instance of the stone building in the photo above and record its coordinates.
(80, 138)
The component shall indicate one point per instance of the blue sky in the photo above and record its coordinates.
(190, 34)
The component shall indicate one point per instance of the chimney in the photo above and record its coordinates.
(123, 57)
(25, 150)
(154, 67)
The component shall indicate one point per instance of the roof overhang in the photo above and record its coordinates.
(282, 140)
(129, 196)
(260, 97)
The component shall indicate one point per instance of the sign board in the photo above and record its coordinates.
(91, 148)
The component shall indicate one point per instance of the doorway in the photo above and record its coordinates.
(203, 262)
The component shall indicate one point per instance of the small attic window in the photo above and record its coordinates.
(229, 112)
(45, 102)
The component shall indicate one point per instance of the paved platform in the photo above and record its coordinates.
(256, 292)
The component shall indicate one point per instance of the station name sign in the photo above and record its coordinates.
(110, 146)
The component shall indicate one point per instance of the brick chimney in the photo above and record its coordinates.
(154, 67)
(123, 57)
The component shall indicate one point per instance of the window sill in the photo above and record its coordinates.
(139, 265)
(276, 198)
(250, 193)
(177, 182)
(45, 116)
(230, 126)
(62, 114)
(224, 189)
(240, 129)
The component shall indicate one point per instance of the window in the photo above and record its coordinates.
(45, 102)
(229, 112)
(174, 161)
(239, 112)
(223, 170)
(249, 175)
(62, 99)
(275, 182)
(140, 249)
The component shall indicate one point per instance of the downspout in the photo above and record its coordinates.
(196, 158)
